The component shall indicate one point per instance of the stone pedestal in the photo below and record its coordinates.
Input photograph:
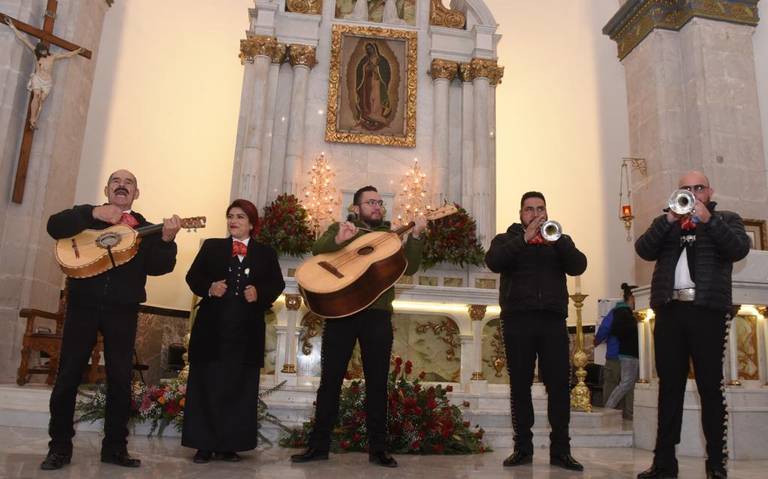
(29, 276)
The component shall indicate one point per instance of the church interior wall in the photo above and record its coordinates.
(174, 93)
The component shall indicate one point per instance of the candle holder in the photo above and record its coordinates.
(581, 397)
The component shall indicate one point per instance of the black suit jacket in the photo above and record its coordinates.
(211, 264)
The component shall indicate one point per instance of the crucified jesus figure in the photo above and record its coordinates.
(41, 80)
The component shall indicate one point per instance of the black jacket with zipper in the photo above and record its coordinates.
(533, 275)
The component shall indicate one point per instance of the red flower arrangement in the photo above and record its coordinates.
(453, 239)
(421, 419)
(285, 226)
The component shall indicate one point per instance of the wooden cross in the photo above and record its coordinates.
(47, 37)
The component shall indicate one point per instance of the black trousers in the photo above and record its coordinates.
(684, 331)
(528, 334)
(373, 328)
(118, 327)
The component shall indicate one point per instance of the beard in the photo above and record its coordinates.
(373, 222)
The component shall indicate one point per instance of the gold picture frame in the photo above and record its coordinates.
(372, 86)
(756, 230)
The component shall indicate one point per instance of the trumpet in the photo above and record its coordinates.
(681, 202)
(551, 230)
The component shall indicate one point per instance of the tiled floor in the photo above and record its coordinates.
(22, 449)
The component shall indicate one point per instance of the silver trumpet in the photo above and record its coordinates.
(681, 202)
(551, 230)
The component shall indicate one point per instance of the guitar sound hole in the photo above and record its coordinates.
(108, 240)
(365, 250)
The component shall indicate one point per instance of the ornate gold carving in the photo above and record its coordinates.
(313, 325)
(634, 22)
(496, 74)
(334, 87)
(448, 333)
(484, 68)
(279, 53)
(477, 311)
(255, 46)
(443, 69)
(499, 358)
(302, 55)
(441, 16)
(312, 7)
(466, 73)
(289, 368)
(293, 301)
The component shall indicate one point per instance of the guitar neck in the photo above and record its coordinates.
(404, 229)
(148, 230)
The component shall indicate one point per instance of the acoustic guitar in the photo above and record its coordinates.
(338, 284)
(92, 252)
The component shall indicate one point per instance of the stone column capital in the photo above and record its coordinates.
(443, 69)
(477, 311)
(485, 68)
(637, 18)
(293, 301)
(466, 73)
(256, 46)
(279, 53)
(311, 7)
(304, 55)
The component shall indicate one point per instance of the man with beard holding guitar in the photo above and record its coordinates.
(106, 303)
(372, 327)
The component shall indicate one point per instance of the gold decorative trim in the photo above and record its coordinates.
(477, 311)
(310, 7)
(256, 46)
(293, 302)
(303, 55)
(288, 368)
(312, 326)
(484, 68)
(445, 69)
(279, 53)
(496, 74)
(441, 16)
(635, 20)
(466, 73)
(478, 376)
(334, 85)
(447, 331)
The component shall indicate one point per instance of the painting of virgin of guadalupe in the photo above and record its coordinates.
(372, 87)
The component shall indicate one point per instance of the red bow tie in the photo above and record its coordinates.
(687, 224)
(239, 248)
(128, 219)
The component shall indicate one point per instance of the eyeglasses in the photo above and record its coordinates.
(694, 188)
(373, 203)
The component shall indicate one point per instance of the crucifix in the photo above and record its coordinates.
(40, 82)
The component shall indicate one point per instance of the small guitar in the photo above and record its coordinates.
(92, 252)
(344, 282)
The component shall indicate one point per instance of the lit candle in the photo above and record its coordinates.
(578, 284)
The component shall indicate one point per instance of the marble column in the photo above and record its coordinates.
(477, 314)
(442, 72)
(481, 173)
(692, 102)
(256, 51)
(467, 135)
(29, 275)
(302, 58)
(264, 191)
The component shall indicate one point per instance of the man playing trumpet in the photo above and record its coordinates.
(691, 296)
(533, 262)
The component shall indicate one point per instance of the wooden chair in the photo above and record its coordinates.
(50, 343)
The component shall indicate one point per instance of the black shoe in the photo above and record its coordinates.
(717, 473)
(655, 472)
(227, 456)
(566, 461)
(202, 457)
(55, 460)
(518, 458)
(310, 454)
(120, 458)
(382, 458)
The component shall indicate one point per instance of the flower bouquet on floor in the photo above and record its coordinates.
(421, 420)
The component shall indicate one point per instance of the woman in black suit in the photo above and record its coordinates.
(237, 279)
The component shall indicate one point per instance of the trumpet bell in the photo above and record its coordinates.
(682, 202)
(551, 230)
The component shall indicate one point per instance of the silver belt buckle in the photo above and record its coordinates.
(687, 294)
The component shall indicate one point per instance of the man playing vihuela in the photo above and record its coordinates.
(372, 327)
